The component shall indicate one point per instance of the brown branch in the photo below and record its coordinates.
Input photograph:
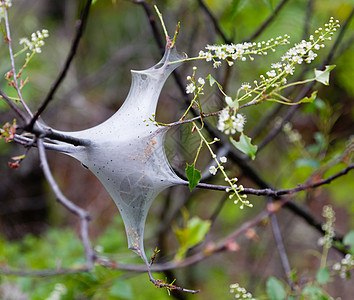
(306, 89)
(266, 23)
(214, 21)
(82, 214)
(280, 245)
(309, 12)
(210, 249)
(153, 25)
(12, 59)
(79, 32)
(14, 107)
(277, 193)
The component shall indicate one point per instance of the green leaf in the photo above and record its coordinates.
(322, 276)
(211, 79)
(121, 289)
(275, 289)
(192, 234)
(268, 3)
(349, 240)
(313, 292)
(323, 76)
(245, 146)
(193, 176)
(309, 100)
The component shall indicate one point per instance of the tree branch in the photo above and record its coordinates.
(280, 245)
(14, 107)
(14, 74)
(277, 193)
(215, 22)
(79, 32)
(305, 89)
(82, 214)
(266, 23)
(152, 22)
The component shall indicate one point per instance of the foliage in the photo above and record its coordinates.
(316, 144)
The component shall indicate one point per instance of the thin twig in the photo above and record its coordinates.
(267, 22)
(79, 32)
(280, 245)
(215, 22)
(309, 12)
(14, 74)
(277, 193)
(82, 214)
(306, 89)
(14, 107)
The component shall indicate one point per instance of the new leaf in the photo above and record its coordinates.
(245, 146)
(193, 176)
(309, 100)
(323, 76)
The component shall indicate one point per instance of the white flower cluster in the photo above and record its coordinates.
(36, 42)
(59, 290)
(301, 52)
(346, 264)
(194, 85)
(213, 170)
(230, 53)
(8, 3)
(229, 123)
(326, 240)
(240, 292)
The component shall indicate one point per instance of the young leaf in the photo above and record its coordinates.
(309, 100)
(349, 240)
(193, 176)
(192, 234)
(275, 289)
(245, 146)
(323, 76)
(322, 276)
(313, 292)
(211, 79)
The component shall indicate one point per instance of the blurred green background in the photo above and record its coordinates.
(38, 233)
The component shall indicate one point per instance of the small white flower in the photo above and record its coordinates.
(223, 159)
(289, 69)
(190, 88)
(271, 73)
(208, 56)
(201, 81)
(245, 86)
(276, 65)
(213, 170)
(217, 64)
(297, 59)
(312, 55)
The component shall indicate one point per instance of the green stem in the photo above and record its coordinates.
(233, 188)
(162, 22)
(296, 83)
(20, 52)
(198, 151)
